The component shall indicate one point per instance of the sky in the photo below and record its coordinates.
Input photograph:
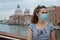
(8, 7)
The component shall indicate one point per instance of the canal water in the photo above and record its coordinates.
(14, 29)
(21, 30)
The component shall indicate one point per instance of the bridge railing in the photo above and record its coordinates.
(6, 36)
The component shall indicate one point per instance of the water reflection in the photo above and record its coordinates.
(20, 30)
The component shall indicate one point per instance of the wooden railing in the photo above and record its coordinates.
(12, 36)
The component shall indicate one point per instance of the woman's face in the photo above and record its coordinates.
(42, 13)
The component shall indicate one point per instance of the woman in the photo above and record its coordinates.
(40, 28)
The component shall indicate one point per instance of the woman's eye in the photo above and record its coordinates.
(46, 12)
(42, 12)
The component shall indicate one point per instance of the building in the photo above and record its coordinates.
(16, 18)
(54, 14)
(18, 11)
(19, 18)
(27, 17)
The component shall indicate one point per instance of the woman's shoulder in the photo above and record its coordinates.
(51, 26)
(31, 26)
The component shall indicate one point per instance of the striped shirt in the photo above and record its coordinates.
(41, 34)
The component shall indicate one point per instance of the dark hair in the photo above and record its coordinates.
(34, 18)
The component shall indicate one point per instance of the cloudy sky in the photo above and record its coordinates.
(7, 7)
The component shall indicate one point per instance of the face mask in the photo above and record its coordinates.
(43, 17)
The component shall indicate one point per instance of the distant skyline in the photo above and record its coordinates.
(8, 7)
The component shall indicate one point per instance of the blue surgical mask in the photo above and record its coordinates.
(43, 17)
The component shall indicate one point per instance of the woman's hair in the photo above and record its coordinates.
(34, 18)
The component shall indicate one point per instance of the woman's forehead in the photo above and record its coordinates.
(43, 10)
